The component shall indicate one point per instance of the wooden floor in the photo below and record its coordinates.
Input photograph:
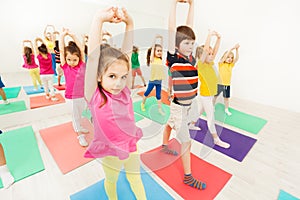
(272, 164)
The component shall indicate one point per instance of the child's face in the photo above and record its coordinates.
(229, 58)
(158, 52)
(186, 47)
(209, 57)
(72, 59)
(115, 78)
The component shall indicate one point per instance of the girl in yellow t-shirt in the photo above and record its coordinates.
(205, 56)
(154, 59)
(226, 64)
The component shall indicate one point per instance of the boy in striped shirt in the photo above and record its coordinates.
(184, 86)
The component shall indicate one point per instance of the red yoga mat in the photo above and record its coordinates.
(41, 101)
(169, 169)
(64, 147)
(164, 96)
(60, 87)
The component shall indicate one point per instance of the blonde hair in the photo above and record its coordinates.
(224, 58)
(109, 55)
(199, 52)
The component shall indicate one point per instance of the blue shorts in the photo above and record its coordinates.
(225, 89)
(1, 83)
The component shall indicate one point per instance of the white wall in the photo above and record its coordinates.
(268, 32)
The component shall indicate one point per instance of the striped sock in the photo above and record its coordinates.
(191, 181)
(166, 150)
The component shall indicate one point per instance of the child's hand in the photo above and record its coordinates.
(110, 15)
(237, 46)
(125, 17)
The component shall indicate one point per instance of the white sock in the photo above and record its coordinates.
(6, 177)
(227, 112)
(220, 143)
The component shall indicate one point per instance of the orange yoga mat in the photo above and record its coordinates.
(41, 101)
(169, 169)
(63, 144)
(164, 96)
(60, 87)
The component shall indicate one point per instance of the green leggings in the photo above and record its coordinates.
(112, 166)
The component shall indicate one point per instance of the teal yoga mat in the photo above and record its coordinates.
(11, 92)
(96, 192)
(238, 119)
(286, 196)
(12, 107)
(22, 154)
(152, 110)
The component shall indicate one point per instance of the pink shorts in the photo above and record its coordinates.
(136, 71)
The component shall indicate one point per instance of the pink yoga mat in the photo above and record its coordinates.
(64, 147)
(169, 169)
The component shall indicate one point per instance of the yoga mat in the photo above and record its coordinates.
(152, 110)
(240, 144)
(41, 101)
(97, 192)
(64, 147)
(22, 153)
(61, 87)
(87, 114)
(12, 107)
(31, 90)
(169, 169)
(11, 92)
(239, 119)
(62, 80)
(286, 196)
(164, 96)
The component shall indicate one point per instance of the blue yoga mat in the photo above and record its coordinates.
(286, 196)
(31, 90)
(96, 192)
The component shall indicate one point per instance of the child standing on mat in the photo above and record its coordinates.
(73, 65)
(59, 70)
(227, 62)
(205, 56)
(107, 83)
(46, 70)
(2, 92)
(50, 43)
(5, 175)
(185, 84)
(136, 67)
(154, 60)
(29, 63)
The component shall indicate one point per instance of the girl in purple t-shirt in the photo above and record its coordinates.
(108, 79)
(46, 71)
(29, 63)
(73, 65)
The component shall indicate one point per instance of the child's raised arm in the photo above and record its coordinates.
(190, 17)
(153, 46)
(236, 47)
(95, 38)
(36, 43)
(217, 44)
(62, 46)
(172, 27)
(79, 45)
(128, 39)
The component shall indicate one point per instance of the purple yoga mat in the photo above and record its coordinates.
(240, 144)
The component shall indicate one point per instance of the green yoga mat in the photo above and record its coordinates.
(12, 107)
(87, 114)
(22, 153)
(239, 119)
(152, 110)
(11, 92)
